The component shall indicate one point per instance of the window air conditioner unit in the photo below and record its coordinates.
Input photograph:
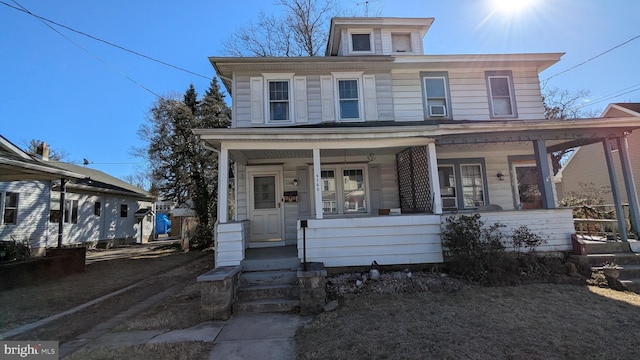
(437, 110)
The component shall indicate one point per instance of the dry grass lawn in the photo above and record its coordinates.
(26, 304)
(177, 351)
(541, 321)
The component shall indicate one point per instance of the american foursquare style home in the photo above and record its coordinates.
(360, 155)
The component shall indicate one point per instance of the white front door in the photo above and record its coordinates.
(265, 207)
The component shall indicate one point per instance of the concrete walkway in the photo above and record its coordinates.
(251, 336)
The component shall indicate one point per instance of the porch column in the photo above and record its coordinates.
(544, 175)
(434, 180)
(317, 180)
(630, 185)
(615, 191)
(223, 185)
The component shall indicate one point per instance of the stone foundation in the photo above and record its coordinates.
(217, 291)
(312, 288)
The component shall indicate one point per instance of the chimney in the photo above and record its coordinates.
(43, 151)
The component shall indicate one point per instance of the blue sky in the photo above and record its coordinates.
(84, 104)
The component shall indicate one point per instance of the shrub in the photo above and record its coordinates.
(202, 237)
(523, 237)
(475, 252)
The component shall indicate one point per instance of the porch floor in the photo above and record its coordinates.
(276, 252)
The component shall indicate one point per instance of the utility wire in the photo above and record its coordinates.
(608, 97)
(85, 50)
(590, 59)
(43, 19)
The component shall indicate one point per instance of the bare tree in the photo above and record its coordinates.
(54, 154)
(563, 105)
(300, 30)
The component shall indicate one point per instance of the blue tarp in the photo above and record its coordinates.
(163, 224)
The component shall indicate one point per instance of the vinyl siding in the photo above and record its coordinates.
(33, 213)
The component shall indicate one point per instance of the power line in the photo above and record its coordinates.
(103, 41)
(85, 50)
(609, 96)
(590, 59)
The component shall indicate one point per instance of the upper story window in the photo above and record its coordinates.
(349, 96)
(401, 43)
(435, 87)
(279, 108)
(502, 102)
(361, 41)
(10, 208)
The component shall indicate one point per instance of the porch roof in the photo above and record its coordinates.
(568, 133)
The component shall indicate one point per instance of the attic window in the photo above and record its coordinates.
(361, 42)
(401, 43)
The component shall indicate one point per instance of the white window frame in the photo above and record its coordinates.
(512, 97)
(280, 77)
(398, 35)
(3, 207)
(337, 77)
(481, 187)
(457, 165)
(362, 32)
(338, 171)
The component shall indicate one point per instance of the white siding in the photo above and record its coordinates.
(230, 243)
(241, 192)
(33, 213)
(469, 99)
(556, 224)
(407, 239)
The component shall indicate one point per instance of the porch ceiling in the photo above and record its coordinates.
(301, 153)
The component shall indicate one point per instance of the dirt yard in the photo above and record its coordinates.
(153, 271)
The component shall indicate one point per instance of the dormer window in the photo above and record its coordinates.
(401, 43)
(361, 41)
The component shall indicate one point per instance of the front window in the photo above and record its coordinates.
(71, 211)
(279, 100)
(348, 98)
(361, 42)
(501, 95)
(436, 92)
(462, 184)
(124, 210)
(350, 184)
(10, 208)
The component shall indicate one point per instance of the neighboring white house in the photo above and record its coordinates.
(378, 125)
(97, 207)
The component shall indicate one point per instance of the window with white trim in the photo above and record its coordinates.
(462, 184)
(70, 211)
(435, 87)
(279, 102)
(349, 96)
(344, 190)
(502, 102)
(9, 208)
(401, 42)
(361, 42)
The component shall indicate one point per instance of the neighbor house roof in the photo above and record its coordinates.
(95, 180)
(17, 165)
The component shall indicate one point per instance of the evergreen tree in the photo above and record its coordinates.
(183, 170)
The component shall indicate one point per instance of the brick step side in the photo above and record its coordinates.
(266, 305)
(258, 292)
(631, 285)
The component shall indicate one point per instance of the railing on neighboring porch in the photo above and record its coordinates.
(600, 220)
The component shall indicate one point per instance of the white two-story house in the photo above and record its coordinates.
(359, 155)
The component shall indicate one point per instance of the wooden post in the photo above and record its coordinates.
(317, 181)
(615, 190)
(434, 180)
(63, 189)
(223, 185)
(630, 185)
(544, 174)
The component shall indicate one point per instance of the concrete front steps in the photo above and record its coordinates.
(268, 285)
(616, 260)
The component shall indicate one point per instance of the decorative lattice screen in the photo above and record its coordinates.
(413, 180)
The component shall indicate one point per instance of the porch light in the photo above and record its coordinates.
(500, 176)
(295, 182)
